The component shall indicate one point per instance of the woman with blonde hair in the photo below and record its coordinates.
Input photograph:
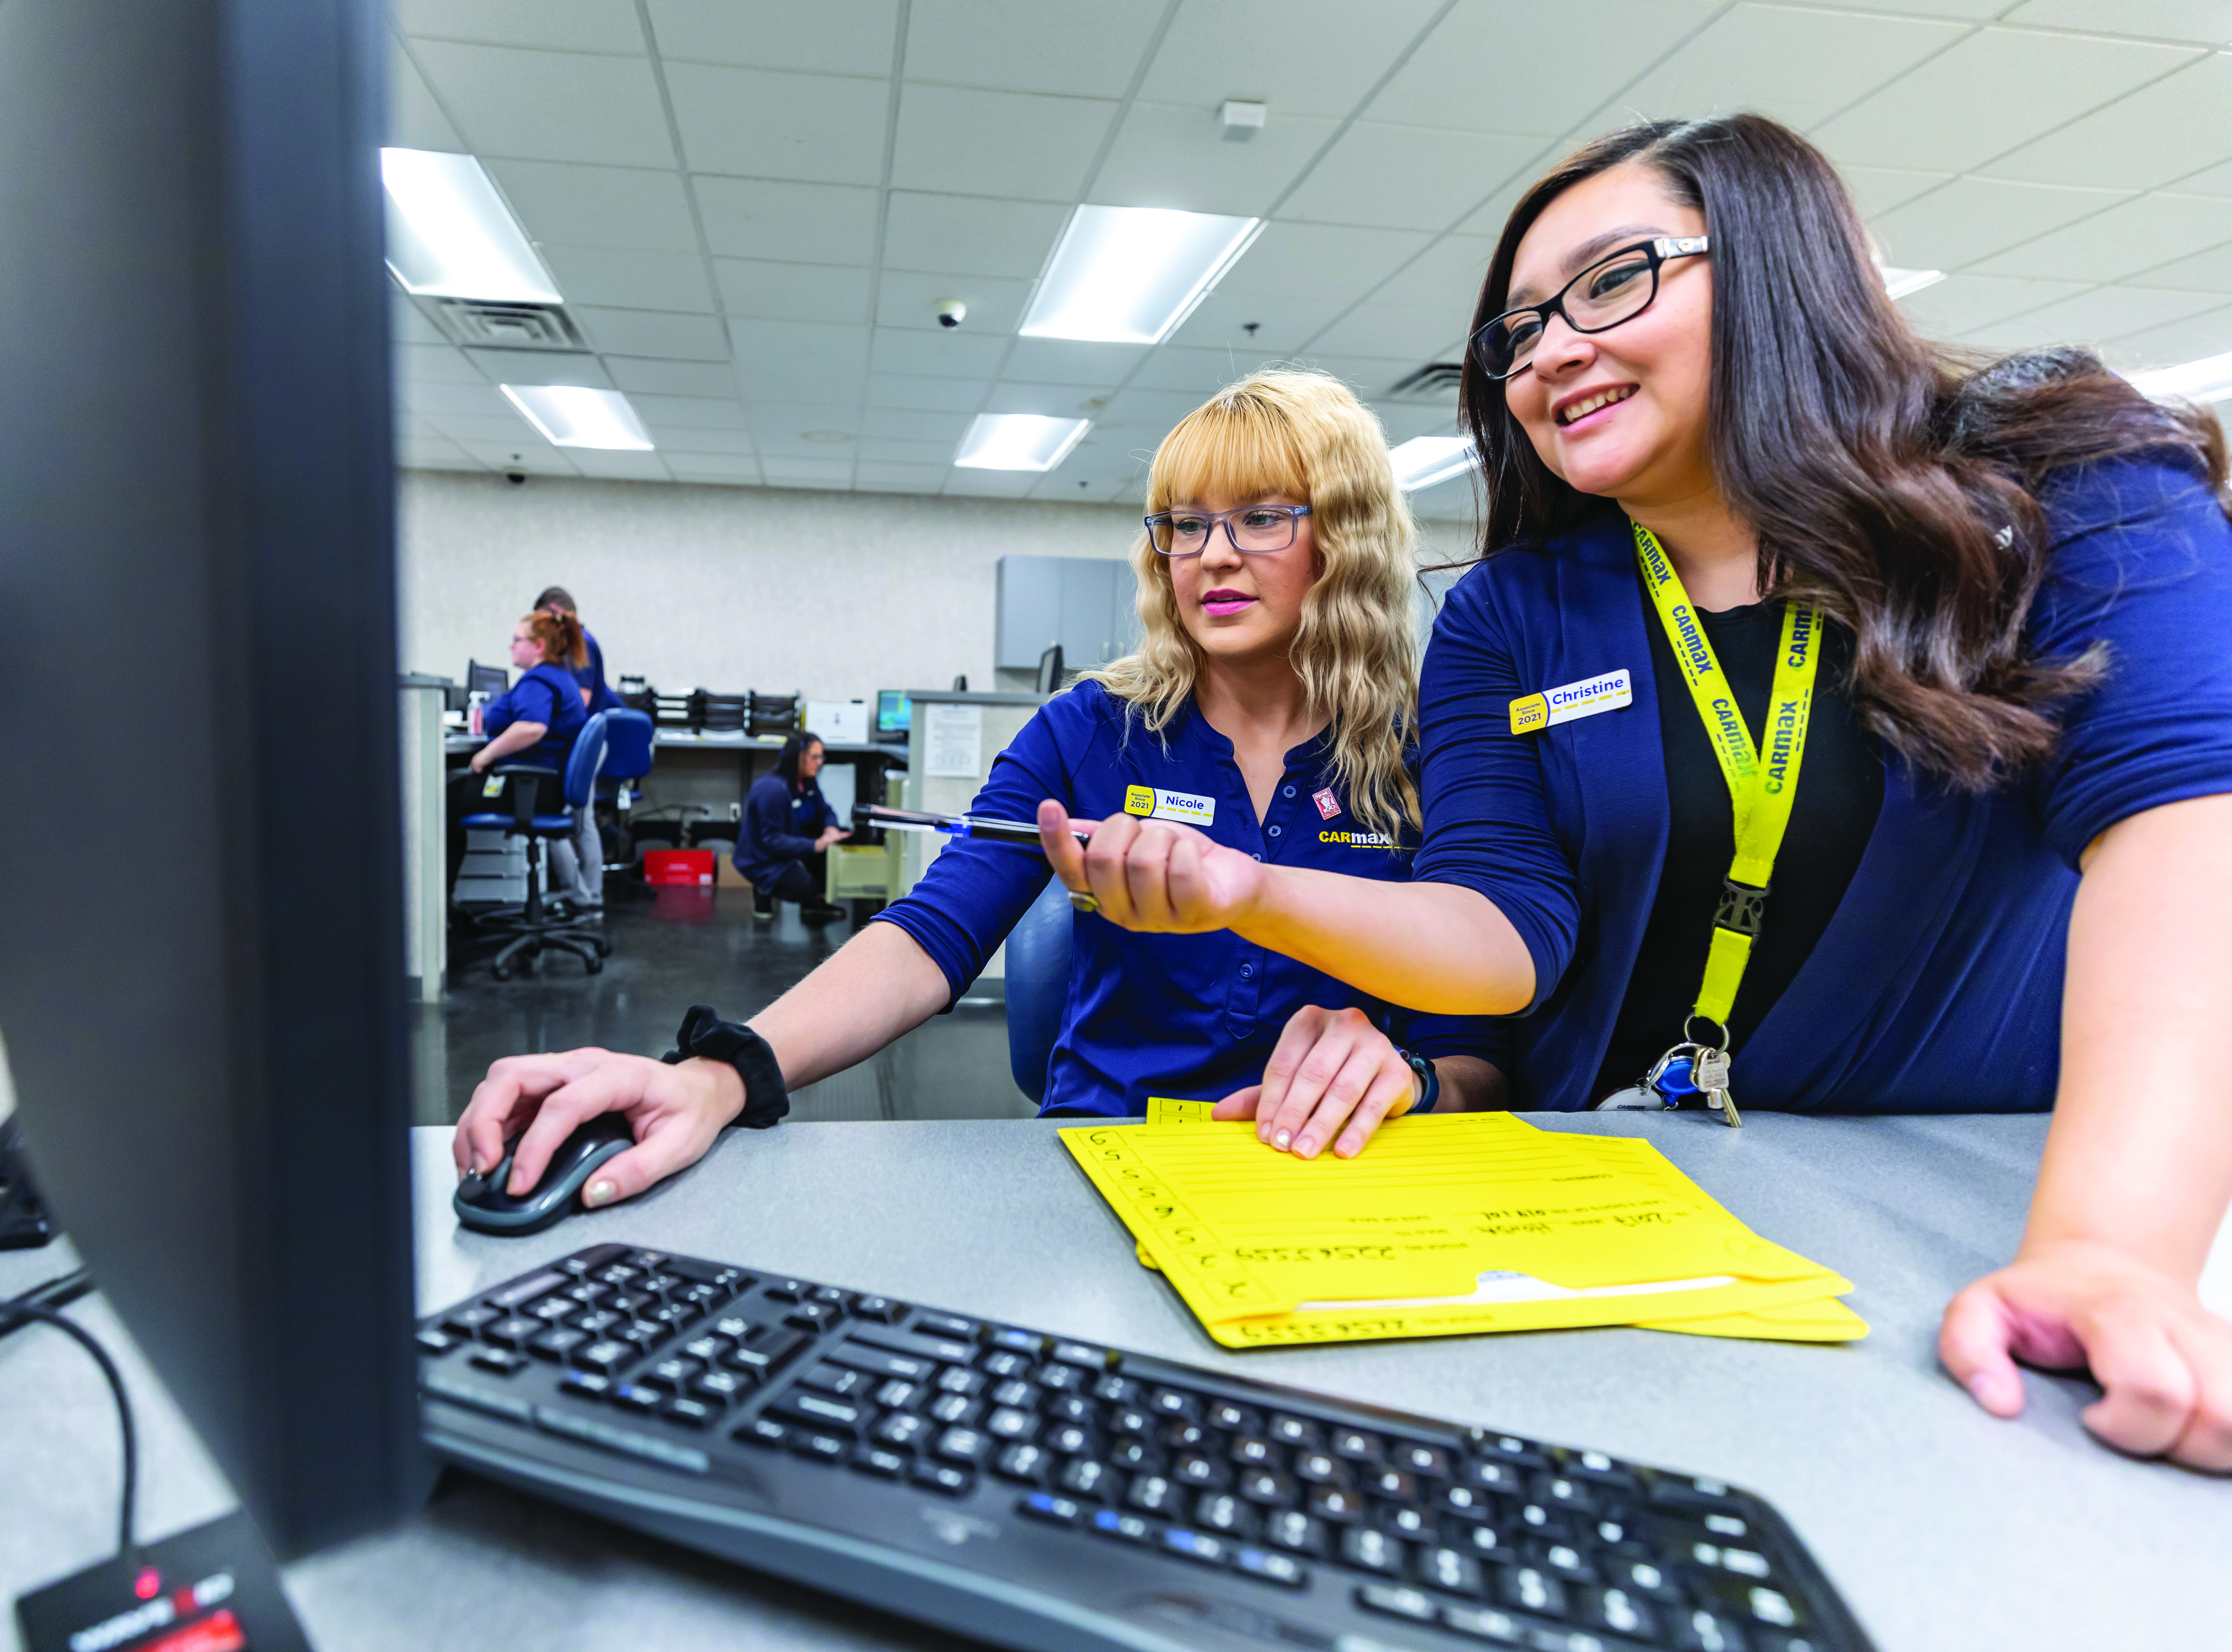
(1268, 706)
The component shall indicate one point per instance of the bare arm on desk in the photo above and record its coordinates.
(518, 737)
(2138, 1168)
(877, 985)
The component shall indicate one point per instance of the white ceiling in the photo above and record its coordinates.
(752, 205)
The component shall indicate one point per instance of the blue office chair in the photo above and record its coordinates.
(533, 931)
(628, 740)
(1038, 986)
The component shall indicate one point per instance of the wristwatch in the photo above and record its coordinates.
(1430, 1082)
(704, 1033)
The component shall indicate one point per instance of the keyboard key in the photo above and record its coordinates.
(789, 1290)
(762, 1431)
(1530, 1588)
(1397, 1603)
(1253, 1451)
(821, 1448)
(837, 1380)
(955, 1409)
(960, 1379)
(604, 1356)
(874, 1459)
(1007, 1423)
(597, 1323)
(1562, 1491)
(1061, 1379)
(1371, 1550)
(1130, 1419)
(819, 1411)
(1356, 1445)
(631, 1303)
(1133, 1455)
(962, 1446)
(500, 1361)
(1332, 1503)
(672, 1376)
(1298, 1432)
(694, 1414)
(880, 1308)
(1077, 1353)
(1198, 1547)
(1281, 1569)
(1597, 1467)
(1223, 1512)
(707, 1349)
(1198, 1471)
(1015, 1392)
(766, 1354)
(812, 1316)
(1002, 1365)
(1497, 1628)
(896, 1395)
(1271, 1490)
(1025, 1463)
(633, 1396)
(1055, 1510)
(515, 1332)
(1126, 1528)
(676, 1316)
(586, 1385)
(431, 1341)
(468, 1322)
(552, 1309)
(1644, 1578)
(642, 1334)
(1087, 1478)
(880, 1362)
(828, 1295)
(1116, 1390)
(1391, 1485)
(719, 1387)
(1619, 1611)
(1508, 1449)
(903, 1431)
(1297, 1531)
(1019, 1342)
(705, 1298)
(1428, 1463)
(953, 1480)
(1318, 1469)
(1449, 1569)
(1404, 1521)
(1151, 1495)
(1567, 1561)
(1175, 1402)
(947, 1325)
(1181, 1435)
(557, 1345)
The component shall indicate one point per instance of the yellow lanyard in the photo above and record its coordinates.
(1760, 790)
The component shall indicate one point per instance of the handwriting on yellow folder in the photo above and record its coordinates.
(1447, 1224)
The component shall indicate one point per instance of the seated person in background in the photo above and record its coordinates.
(1270, 704)
(536, 721)
(587, 662)
(783, 843)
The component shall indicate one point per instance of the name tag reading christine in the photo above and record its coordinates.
(1582, 699)
(1155, 804)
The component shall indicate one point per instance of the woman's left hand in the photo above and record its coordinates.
(2162, 1361)
(1334, 1072)
(478, 762)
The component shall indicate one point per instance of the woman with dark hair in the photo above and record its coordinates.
(1828, 722)
(783, 846)
(588, 661)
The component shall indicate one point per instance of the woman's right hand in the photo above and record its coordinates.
(675, 1111)
(1156, 875)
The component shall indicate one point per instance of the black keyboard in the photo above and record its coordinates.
(1039, 1493)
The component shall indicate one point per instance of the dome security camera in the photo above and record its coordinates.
(950, 313)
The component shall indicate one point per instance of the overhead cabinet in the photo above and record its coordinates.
(1086, 604)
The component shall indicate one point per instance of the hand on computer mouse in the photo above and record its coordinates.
(676, 1112)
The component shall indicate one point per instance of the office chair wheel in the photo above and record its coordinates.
(594, 966)
(604, 947)
(502, 972)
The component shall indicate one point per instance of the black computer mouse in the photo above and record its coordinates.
(482, 1203)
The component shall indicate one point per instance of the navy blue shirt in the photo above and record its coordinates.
(1192, 1016)
(1937, 985)
(546, 695)
(779, 826)
(591, 677)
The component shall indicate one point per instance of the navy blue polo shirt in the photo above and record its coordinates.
(591, 677)
(546, 695)
(1193, 1016)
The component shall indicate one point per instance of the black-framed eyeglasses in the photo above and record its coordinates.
(1618, 287)
(1251, 528)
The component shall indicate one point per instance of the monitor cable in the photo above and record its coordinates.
(42, 1304)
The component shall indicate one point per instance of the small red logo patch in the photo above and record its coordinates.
(1329, 805)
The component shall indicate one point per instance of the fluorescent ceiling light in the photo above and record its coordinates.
(571, 416)
(1897, 283)
(1018, 442)
(1424, 460)
(2208, 379)
(450, 236)
(1128, 274)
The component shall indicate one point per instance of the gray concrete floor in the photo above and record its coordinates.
(675, 948)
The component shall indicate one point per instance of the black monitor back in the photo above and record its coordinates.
(201, 964)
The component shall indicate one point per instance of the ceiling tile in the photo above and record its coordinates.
(537, 458)
(713, 479)
(938, 355)
(1404, 420)
(680, 460)
(1304, 57)
(1324, 263)
(1998, 88)
(1050, 401)
(1177, 155)
(828, 38)
(808, 472)
(2206, 335)
(1972, 219)
(768, 123)
(1961, 303)
(1367, 375)
(432, 398)
(1454, 79)
(2203, 22)
(634, 373)
(1070, 361)
(1221, 322)
(2132, 236)
(2210, 271)
(2106, 313)
(1974, 10)
(970, 235)
(1378, 329)
(823, 224)
(550, 105)
(907, 425)
(890, 450)
(1199, 373)
(759, 290)
(629, 277)
(784, 441)
(696, 438)
(434, 364)
(407, 323)
(540, 367)
(2214, 180)
(1146, 417)
(968, 142)
(691, 412)
(990, 484)
(1800, 67)
(562, 25)
(801, 361)
(653, 332)
(598, 206)
(899, 478)
(415, 120)
(910, 299)
(620, 466)
(1410, 178)
(925, 395)
(2142, 140)
(506, 427)
(1079, 47)
(1447, 277)
(1879, 189)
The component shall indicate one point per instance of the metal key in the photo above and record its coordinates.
(1710, 1074)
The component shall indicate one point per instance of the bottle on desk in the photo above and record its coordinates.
(476, 704)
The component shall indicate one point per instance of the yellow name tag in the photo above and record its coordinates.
(1583, 699)
(1153, 803)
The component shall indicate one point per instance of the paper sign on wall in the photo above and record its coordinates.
(953, 739)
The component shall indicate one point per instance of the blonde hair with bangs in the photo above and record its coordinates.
(1304, 435)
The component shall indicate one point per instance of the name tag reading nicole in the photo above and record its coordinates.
(1156, 804)
(1582, 699)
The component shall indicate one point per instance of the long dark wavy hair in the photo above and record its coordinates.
(1889, 480)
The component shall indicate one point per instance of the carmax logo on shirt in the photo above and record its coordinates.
(1358, 840)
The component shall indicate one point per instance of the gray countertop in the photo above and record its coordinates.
(1944, 1528)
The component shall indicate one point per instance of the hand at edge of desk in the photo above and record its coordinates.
(675, 1111)
(2163, 1361)
(1334, 1078)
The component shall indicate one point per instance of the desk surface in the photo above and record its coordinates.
(1944, 1528)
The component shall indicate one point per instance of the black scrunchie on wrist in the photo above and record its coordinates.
(704, 1033)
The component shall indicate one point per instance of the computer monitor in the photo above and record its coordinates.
(486, 679)
(894, 714)
(1049, 676)
(211, 1064)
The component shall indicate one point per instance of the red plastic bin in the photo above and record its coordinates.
(668, 868)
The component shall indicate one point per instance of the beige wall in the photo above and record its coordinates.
(835, 594)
